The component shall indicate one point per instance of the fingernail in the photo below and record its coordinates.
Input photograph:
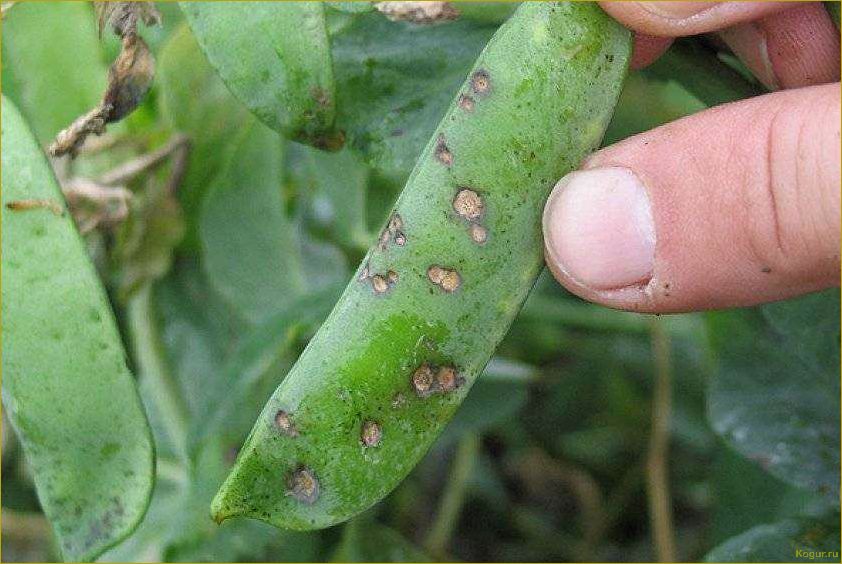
(676, 10)
(750, 43)
(598, 228)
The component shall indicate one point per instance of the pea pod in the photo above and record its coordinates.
(439, 289)
(275, 58)
(66, 387)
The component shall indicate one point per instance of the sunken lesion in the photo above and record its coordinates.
(393, 233)
(380, 283)
(448, 279)
(284, 423)
(468, 204)
(442, 152)
(479, 234)
(429, 379)
(480, 82)
(371, 433)
(302, 485)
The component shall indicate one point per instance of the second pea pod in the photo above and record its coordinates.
(440, 287)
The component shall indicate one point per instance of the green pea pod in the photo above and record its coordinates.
(275, 57)
(66, 387)
(438, 291)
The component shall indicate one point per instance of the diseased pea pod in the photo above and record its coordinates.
(275, 58)
(439, 289)
(66, 387)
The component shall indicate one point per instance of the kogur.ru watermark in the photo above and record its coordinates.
(815, 554)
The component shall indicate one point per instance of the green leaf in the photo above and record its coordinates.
(647, 102)
(339, 182)
(248, 243)
(487, 12)
(178, 529)
(792, 540)
(258, 364)
(809, 327)
(746, 496)
(66, 387)
(775, 398)
(275, 57)
(498, 395)
(52, 63)
(201, 381)
(193, 100)
(702, 74)
(395, 80)
(355, 7)
(364, 540)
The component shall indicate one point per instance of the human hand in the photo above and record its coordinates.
(734, 206)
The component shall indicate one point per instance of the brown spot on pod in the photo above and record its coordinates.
(303, 485)
(422, 380)
(383, 240)
(447, 379)
(442, 152)
(283, 422)
(379, 284)
(445, 278)
(468, 204)
(371, 433)
(466, 103)
(479, 234)
(392, 232)
(480, 82)
(429, 379)
(364, 273)
(395, 223)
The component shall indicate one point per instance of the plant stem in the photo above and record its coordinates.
(451, 501)
(154, 371)
(657, 472)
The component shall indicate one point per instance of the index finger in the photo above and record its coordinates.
(675, 19)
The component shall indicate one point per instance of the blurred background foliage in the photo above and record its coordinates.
(219, 281)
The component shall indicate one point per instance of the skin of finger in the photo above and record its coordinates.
(803, 46)
(790, 49)
(745, 199)
(646, 50)
(636, 17)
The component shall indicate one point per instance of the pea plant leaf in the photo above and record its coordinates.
(791, 540)
(275, 58)
(775, 398)
(248, 242)
(338, 185)
(394, 82)
(194, 101)
(215, 373)
(53, 67)
(364, 540)
(66, 387)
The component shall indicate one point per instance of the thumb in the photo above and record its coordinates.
(734, 206)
